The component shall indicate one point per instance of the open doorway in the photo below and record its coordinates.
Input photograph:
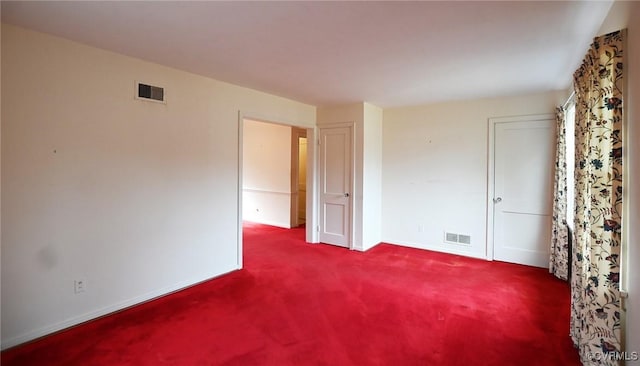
(269, 176)
(274, 174)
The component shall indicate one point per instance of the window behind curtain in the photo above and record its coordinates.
(570, 116)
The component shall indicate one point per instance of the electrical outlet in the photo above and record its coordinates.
(79, 286)
(420, 228)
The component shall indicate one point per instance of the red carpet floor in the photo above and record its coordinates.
(302, 304)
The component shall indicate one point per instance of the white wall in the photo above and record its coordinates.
(266, 176)
(620, 17)
(434, 169)
(137, 198)
(372, 177)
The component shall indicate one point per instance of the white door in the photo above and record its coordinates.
(335, 185)
(524, 151)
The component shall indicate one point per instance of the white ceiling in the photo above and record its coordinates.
(327, 53)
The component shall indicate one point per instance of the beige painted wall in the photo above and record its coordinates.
(266, 175)
(136, 198)
(434, 169)
(372, 176)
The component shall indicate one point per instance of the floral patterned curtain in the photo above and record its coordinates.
(559, 261)
(595, 302)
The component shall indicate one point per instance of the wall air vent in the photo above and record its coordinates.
(454, 238)
(451, 237)
(150, 93)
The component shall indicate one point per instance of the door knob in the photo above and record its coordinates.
(497, 200)
(346, 194)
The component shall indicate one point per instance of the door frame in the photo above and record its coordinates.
(296, 134)
(492, 122)
(311, 235)
(352, 185)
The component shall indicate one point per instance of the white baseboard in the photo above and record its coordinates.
(435, 248)
(76, 320)
(270, 223)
